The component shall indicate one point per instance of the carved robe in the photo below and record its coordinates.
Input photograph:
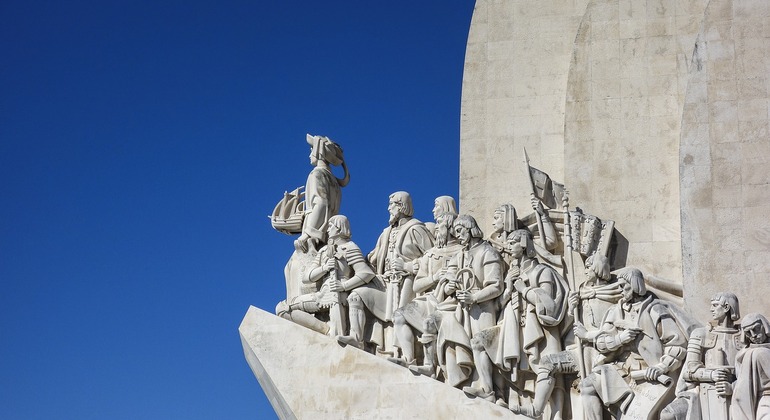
(751, 394)
(322, 201)
(459, 324)
(660, 342)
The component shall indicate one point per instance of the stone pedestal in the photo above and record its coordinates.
(307, 375)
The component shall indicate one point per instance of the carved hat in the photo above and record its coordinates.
(508, 214)
(753, 318)
(326, 149)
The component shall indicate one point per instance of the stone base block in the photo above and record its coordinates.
(310, 376)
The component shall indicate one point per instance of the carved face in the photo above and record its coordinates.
(591, 276)
(516, 249)
(394, 209)
(463, 234)
(333, 231)
(436, 210)
(719, 311)
(497, 222)
(628, 291)
(755, 333)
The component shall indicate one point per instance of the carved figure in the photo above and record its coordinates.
(596, 296)
(475, 278)
(751, 394)
(416, 314)
(642, 342)
(322, 201)
(341, 266)
(709, 368)
(399, 246)
(505, 221)
(529, 331)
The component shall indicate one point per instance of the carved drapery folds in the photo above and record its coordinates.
(532, 317)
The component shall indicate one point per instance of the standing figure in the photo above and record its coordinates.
(641, 342)
(709, 367)
(751, 394)
(416, 314)
(476, 279)
(552, 364)
(322, 201)
(394, 259)
(505, 221)
(341, 266)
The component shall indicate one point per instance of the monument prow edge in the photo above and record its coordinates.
(308, 375)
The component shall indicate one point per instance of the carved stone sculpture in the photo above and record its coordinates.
(595, 298)
(403, 242)
(416, 315)
(709, 369)
(476, 280)
(643, 345)
(533, 319)
(751, 394)
(339, 266)
(322, 197)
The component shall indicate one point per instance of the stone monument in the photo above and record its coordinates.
(594, 304)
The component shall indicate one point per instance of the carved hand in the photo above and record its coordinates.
(336, 286)
(301, 243)
(580, 330)
(537, 205)
(397, 264)
(329, 265)
(720, 375)
(451, 287)
(652, 373)
(520, 285)
(573, 300)
(724, 388)
(465, 297)
(627, 336)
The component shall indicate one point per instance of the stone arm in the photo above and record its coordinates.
(315, 270)
(608, 339)
(318, 209)
(549, 229)
(674, 342)
(419, 242)
(425, 278)
(493, 282)
(694, 368)
(363, 272)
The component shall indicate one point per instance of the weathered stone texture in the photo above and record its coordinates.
(306, 375)
(612, 97)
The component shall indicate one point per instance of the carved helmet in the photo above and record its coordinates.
(325, 149)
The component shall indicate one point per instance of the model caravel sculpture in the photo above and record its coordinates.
(531, 318)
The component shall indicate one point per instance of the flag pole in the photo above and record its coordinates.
(534, 194)
(573, 282)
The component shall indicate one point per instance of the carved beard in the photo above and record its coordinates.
(442, 236)
(395, 218)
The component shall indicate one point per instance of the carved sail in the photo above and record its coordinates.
(289, 213)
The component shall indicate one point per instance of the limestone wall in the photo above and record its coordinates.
(614, 98)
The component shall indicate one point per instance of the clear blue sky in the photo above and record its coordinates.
(143, 144)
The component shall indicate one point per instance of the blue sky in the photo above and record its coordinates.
(143, 144)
